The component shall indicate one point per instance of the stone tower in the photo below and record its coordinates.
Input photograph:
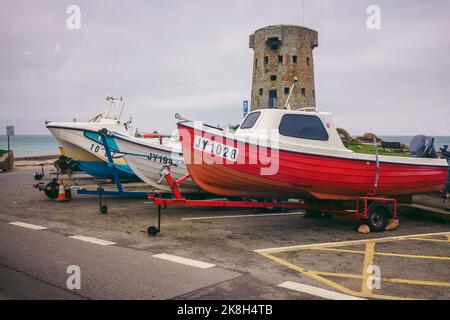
(281, 53)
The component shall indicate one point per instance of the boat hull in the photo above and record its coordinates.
(146, 158)
(85, 147)
(301, 175)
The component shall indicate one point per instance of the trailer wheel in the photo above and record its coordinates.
(51, 190)
(377, 216)
(103, 209)
(152, 231)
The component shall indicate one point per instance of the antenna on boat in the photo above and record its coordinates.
(290, 93)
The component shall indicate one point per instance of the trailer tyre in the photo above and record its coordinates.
(377, 216)
(51, 190)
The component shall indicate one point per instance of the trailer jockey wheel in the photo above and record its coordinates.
(103, 209)
(152, 231)
(377, 216)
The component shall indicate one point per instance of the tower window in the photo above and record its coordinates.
(261, 91)
(307, 61)
(280, 59)
(273, 43)
(286, 90)
(314, 93)
(303, 92)
(294, 59)
(266, 60)
(256, 62)
(273, 78)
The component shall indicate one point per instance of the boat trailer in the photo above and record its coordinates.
(375, 211)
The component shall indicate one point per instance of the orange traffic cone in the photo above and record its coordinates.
(62, 193)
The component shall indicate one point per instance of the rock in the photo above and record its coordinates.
(392, 224)
(364, 228)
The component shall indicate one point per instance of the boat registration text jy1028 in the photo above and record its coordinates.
(215, 148)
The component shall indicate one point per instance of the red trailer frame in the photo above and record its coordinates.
(179, 200)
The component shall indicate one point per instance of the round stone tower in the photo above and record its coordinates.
(282, 53)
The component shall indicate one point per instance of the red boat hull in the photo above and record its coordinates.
(300, 175)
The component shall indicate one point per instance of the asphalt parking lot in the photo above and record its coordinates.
(207, 253)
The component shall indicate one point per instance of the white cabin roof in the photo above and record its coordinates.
(269, 122)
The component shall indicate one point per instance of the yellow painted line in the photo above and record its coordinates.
(411, 256)
(368, 261)
(388, 254)
(426, 239)
(418, 282)
(394, 280)
(351, 242)
(329, 282)
(338, 275)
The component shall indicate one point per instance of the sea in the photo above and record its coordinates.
(39, 145)
(30, 145)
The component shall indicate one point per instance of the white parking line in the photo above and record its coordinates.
(189, 262)
(318, 292)
(27, 225)
(93, 240)
(351, 242)
(245, 216)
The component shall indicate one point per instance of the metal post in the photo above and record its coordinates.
(159, 218)
(8, 144)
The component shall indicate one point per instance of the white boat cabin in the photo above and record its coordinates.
(296, 128)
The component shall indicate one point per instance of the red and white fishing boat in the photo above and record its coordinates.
(302, 157)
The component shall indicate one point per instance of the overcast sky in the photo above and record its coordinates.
(192, 57)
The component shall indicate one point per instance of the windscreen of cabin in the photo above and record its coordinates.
(303, 127)
(250, 121)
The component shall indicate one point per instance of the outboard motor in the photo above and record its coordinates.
(446, 154)
(422, 147)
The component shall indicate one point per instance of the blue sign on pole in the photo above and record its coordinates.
(245, 107)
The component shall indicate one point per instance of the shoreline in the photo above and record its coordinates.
(36, 158)
(28, 161)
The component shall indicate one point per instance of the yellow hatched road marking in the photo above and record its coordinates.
(369, 254)
(333, 284)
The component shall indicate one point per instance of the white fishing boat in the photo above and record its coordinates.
(147, 155)
(84, 145)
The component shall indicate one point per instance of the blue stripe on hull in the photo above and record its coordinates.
(101, 170)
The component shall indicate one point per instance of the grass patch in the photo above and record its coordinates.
(369, 149)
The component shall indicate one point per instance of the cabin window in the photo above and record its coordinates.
(294, 59)
(250, 121)
(303, 127)
(280, 59)
(273, 78)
